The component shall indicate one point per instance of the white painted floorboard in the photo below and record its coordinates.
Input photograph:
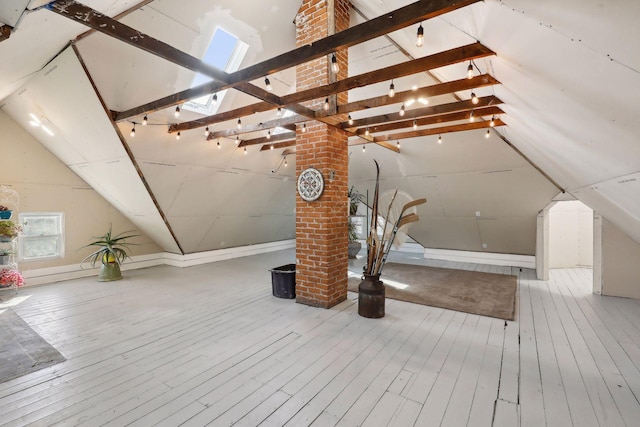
(210, 345)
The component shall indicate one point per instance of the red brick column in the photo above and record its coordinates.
(321, 225)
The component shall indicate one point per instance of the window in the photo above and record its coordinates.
(42, 236)
(224, 52)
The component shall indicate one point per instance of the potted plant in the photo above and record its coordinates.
(355, 198)
(5, 255)
(11, 278)
(111, 252)
(8, 230)
(5, 212)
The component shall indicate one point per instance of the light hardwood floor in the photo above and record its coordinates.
(210, 345)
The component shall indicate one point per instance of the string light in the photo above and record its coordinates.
(304, 128)
(415, 124)
(178, 135)
(206, 132)
(145, 120)
(133, 131)
(474, 98)
(470, 70)
(366, 132)
(492, 123)
(401, 110)
(326, 104)
(471, 118)
(392, 90)
(239, 124)
(279, 111)
(268, 134)
(364, 148)
(237, 140)
(219, 146)
(334, 64)
(439, 139)
(350, 119)
(420, 36)
(285, 162)
(271, 147)
(214, 99)
(488, 134)
(245, 150)
(177, 112)
(398, 143)
(267, 83)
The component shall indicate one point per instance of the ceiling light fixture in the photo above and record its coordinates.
(492, 123)
(415, 124)
(420, 36)
(279, 111)
(366, 132)
(245, 150)
(145, 120)
(268, 134)
(177, 112)
(474, 98)
(439, 139)
(364, 148)
(219, 146)
(326, 104)
(133, 131)
(178, 136)
(304, 128)
(239, 124)
(237, 140)
(392, 90)
(267, 83)
(488, 134)
(334, 64)
(398, 143)
(285, 162)
(214, 99)
(470, 70)
(401, 110)
(350, 119)
(206, 132)
(271, 147)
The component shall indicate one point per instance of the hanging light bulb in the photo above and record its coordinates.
(474, 98)
(471, 118)
(304, 128)
(178, 135)
(268, 134)
(398, 143)
(206, 132)
(145, 120)
(271, 147)
(133, 131)
(334, 64)
(267, 83)
(401, 110)
(492, 123)
(364, 148)
(245, 150)
(237, 140)
(350, 119)
(420, 36)
(214, 99)
(439, 139)
(279, 111)
(219, 146)
(326, 104)
(392, 90)
(470, 70)
(488, 134)
(239, 124)
(285, 162)
(415, 124)
(177, 112)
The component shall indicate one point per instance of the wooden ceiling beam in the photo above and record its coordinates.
(436, 131)
(432, 120)
(279, 145)
(392, 21)
(284, 122)
(284, 136)
(5, 32)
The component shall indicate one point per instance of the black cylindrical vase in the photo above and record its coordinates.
(371, 297)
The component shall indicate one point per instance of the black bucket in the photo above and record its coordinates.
(283, 281)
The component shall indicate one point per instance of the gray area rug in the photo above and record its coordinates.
(486, 294)
(22, 350)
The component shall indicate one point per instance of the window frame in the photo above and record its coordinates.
(23, 239)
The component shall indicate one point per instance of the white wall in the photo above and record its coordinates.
(570, 235)
(620, 266)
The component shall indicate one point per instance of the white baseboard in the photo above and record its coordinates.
(508, 260)
(41, 276)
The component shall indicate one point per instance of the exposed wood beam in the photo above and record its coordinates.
(5, 32)
(118, 17)
(392, 21)
(278, 145)
(435, 131)
(284, 122)
(284, 136)
(432, 120)
(426, 111)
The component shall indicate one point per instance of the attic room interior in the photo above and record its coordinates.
(229, 139)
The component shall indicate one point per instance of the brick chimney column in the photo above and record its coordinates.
(321, 225)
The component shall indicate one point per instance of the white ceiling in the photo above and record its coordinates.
(570, 83)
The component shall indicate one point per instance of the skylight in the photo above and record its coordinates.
(225, 52)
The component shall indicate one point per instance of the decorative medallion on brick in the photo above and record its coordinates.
(310, 184)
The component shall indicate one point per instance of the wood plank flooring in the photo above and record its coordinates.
(210, 345)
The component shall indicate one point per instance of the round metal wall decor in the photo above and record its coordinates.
(310, 184)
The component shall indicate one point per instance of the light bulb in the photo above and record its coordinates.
(334, 64)
(268, 134)
(488, 134)
(177, 112)
(366, 132)
(304, 128)
(474, 98)
(415, 124)
(492, 123)
(219, 146)
(398, 143)
(279, 111)
(271, 147)
(364, 148)
(267, 83)
(420, 36)
(285, 162)
(350, 119)
(245, 150)
(239, 124)
(470, 70)
(214, 99)
(401, 110)
(145, 120)
(439, 139)
(471, 118)
(178, 135)
(326, 104)
(392, 90)
(133, 131)
(206, 131)
(237, 140)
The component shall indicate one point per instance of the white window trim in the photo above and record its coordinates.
(22, 239)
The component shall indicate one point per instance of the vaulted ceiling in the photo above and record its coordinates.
(561, 79)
